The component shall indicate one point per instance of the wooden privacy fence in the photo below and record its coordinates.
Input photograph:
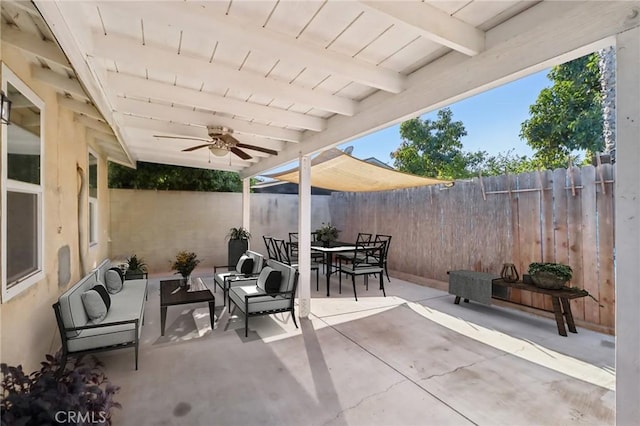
(561, 216)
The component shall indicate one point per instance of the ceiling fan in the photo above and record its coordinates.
(220, 142)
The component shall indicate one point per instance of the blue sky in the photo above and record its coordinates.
(492, 120)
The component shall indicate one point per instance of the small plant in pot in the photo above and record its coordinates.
(327, 233)
(550, 275)
(136, 268)
(238, 244)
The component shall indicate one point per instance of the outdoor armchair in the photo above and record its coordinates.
(259, 298)
(227, 279)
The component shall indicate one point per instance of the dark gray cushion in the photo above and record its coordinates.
(94, 306)
(113, 281)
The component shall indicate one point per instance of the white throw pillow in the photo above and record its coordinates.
(94, 305)
(113, 281)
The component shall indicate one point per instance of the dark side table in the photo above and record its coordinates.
(171, 294)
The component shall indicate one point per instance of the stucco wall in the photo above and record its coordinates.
(28, 327)
(155, 225)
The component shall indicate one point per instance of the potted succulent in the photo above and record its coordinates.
(55, 392)
(238, 244)
(327, 233)
(550, 275)
(184, 264)
(136, 268)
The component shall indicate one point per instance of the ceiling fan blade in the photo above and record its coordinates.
(257, 148)
(181, 137)
(193, 148)
(227, 138)
(240, 153)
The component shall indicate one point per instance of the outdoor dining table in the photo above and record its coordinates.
(336, 247)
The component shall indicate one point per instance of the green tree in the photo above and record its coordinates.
(433, 148)
(177, 178)
(508, 162)
(567, 116)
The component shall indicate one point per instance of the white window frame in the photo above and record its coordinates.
(9, 76)
(92, 220)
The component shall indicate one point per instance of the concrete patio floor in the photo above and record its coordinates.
(412, 358)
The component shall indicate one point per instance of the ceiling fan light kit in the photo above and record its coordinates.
(220, 142)
(218, 152)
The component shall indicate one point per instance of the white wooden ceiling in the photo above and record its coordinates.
(292, 76)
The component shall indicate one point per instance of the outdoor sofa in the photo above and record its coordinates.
(119, 328)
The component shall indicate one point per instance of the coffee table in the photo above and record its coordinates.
(171, 294)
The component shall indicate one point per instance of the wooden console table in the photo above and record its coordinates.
(559, 298)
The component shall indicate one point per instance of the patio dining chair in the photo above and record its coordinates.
(293, 248)
(268, 243)
(387, 238)
(365, 261)
(283, 250)
(363, 239)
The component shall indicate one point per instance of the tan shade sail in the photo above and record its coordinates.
(338, 171)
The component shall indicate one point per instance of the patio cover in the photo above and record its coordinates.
(336, 170)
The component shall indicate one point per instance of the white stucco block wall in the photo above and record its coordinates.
(155, 225)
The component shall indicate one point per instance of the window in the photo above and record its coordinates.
(22, 194)
(93, 199)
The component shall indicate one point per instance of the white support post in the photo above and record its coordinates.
(304, 236)
(627, 227)
(246, 204)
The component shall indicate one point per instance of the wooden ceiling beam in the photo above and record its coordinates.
(79, 107)
(94, 124)
(141, 87)
(227, 28)
(434, 24)
(131, 51)
(35, 45)
(199, 118)
(61, 83)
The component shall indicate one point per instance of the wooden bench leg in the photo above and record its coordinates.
(566, 307)
(457, 301)
(557, 310)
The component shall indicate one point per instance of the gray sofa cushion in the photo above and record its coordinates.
(113, 281)
(257, 304)
(71, 307)
(125, 305)
(94, 305)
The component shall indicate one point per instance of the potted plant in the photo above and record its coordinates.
(550, 275)
(238, 244)
(184, 264)
(327, 233)
(53, 393)
(136, 268)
